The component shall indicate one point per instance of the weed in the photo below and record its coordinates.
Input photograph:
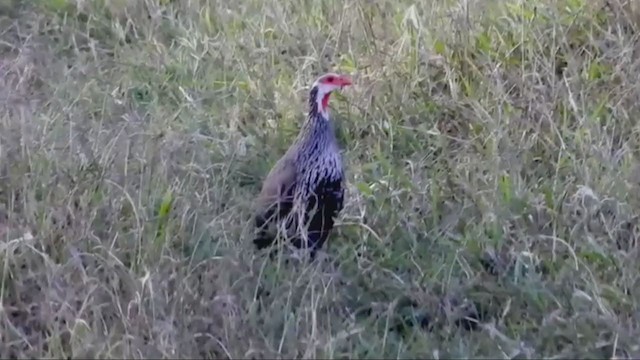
(492, 206)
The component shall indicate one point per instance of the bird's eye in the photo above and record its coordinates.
(330, 79)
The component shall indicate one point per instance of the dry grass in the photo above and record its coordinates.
(492, 152)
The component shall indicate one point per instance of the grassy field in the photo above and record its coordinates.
(491, 149)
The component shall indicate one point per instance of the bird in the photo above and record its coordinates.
(303, 193)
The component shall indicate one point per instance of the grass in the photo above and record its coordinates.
(492, 161)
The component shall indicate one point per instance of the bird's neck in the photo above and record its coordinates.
(319, 103)
(318, 126)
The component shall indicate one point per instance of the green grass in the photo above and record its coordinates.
(492, 161)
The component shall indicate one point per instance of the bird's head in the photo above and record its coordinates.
(322, 88)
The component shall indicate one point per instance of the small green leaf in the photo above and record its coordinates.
(163, 214)
(347, 64)
(364, 188)
(165, 206)
(243, 85)
(519, 10)
(548, 197)
(58, 5)
(595, 71)
(598, 259)
(505, 188)
(483, 42)
(575, 5)
(476, 128)
(439, 47)
(467, 88)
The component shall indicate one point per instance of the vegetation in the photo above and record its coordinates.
(492, 161)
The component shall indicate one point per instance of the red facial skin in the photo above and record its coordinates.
(336, 80)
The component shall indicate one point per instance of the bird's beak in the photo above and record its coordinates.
(345, 81)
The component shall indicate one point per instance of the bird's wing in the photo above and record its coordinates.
(278, 190)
